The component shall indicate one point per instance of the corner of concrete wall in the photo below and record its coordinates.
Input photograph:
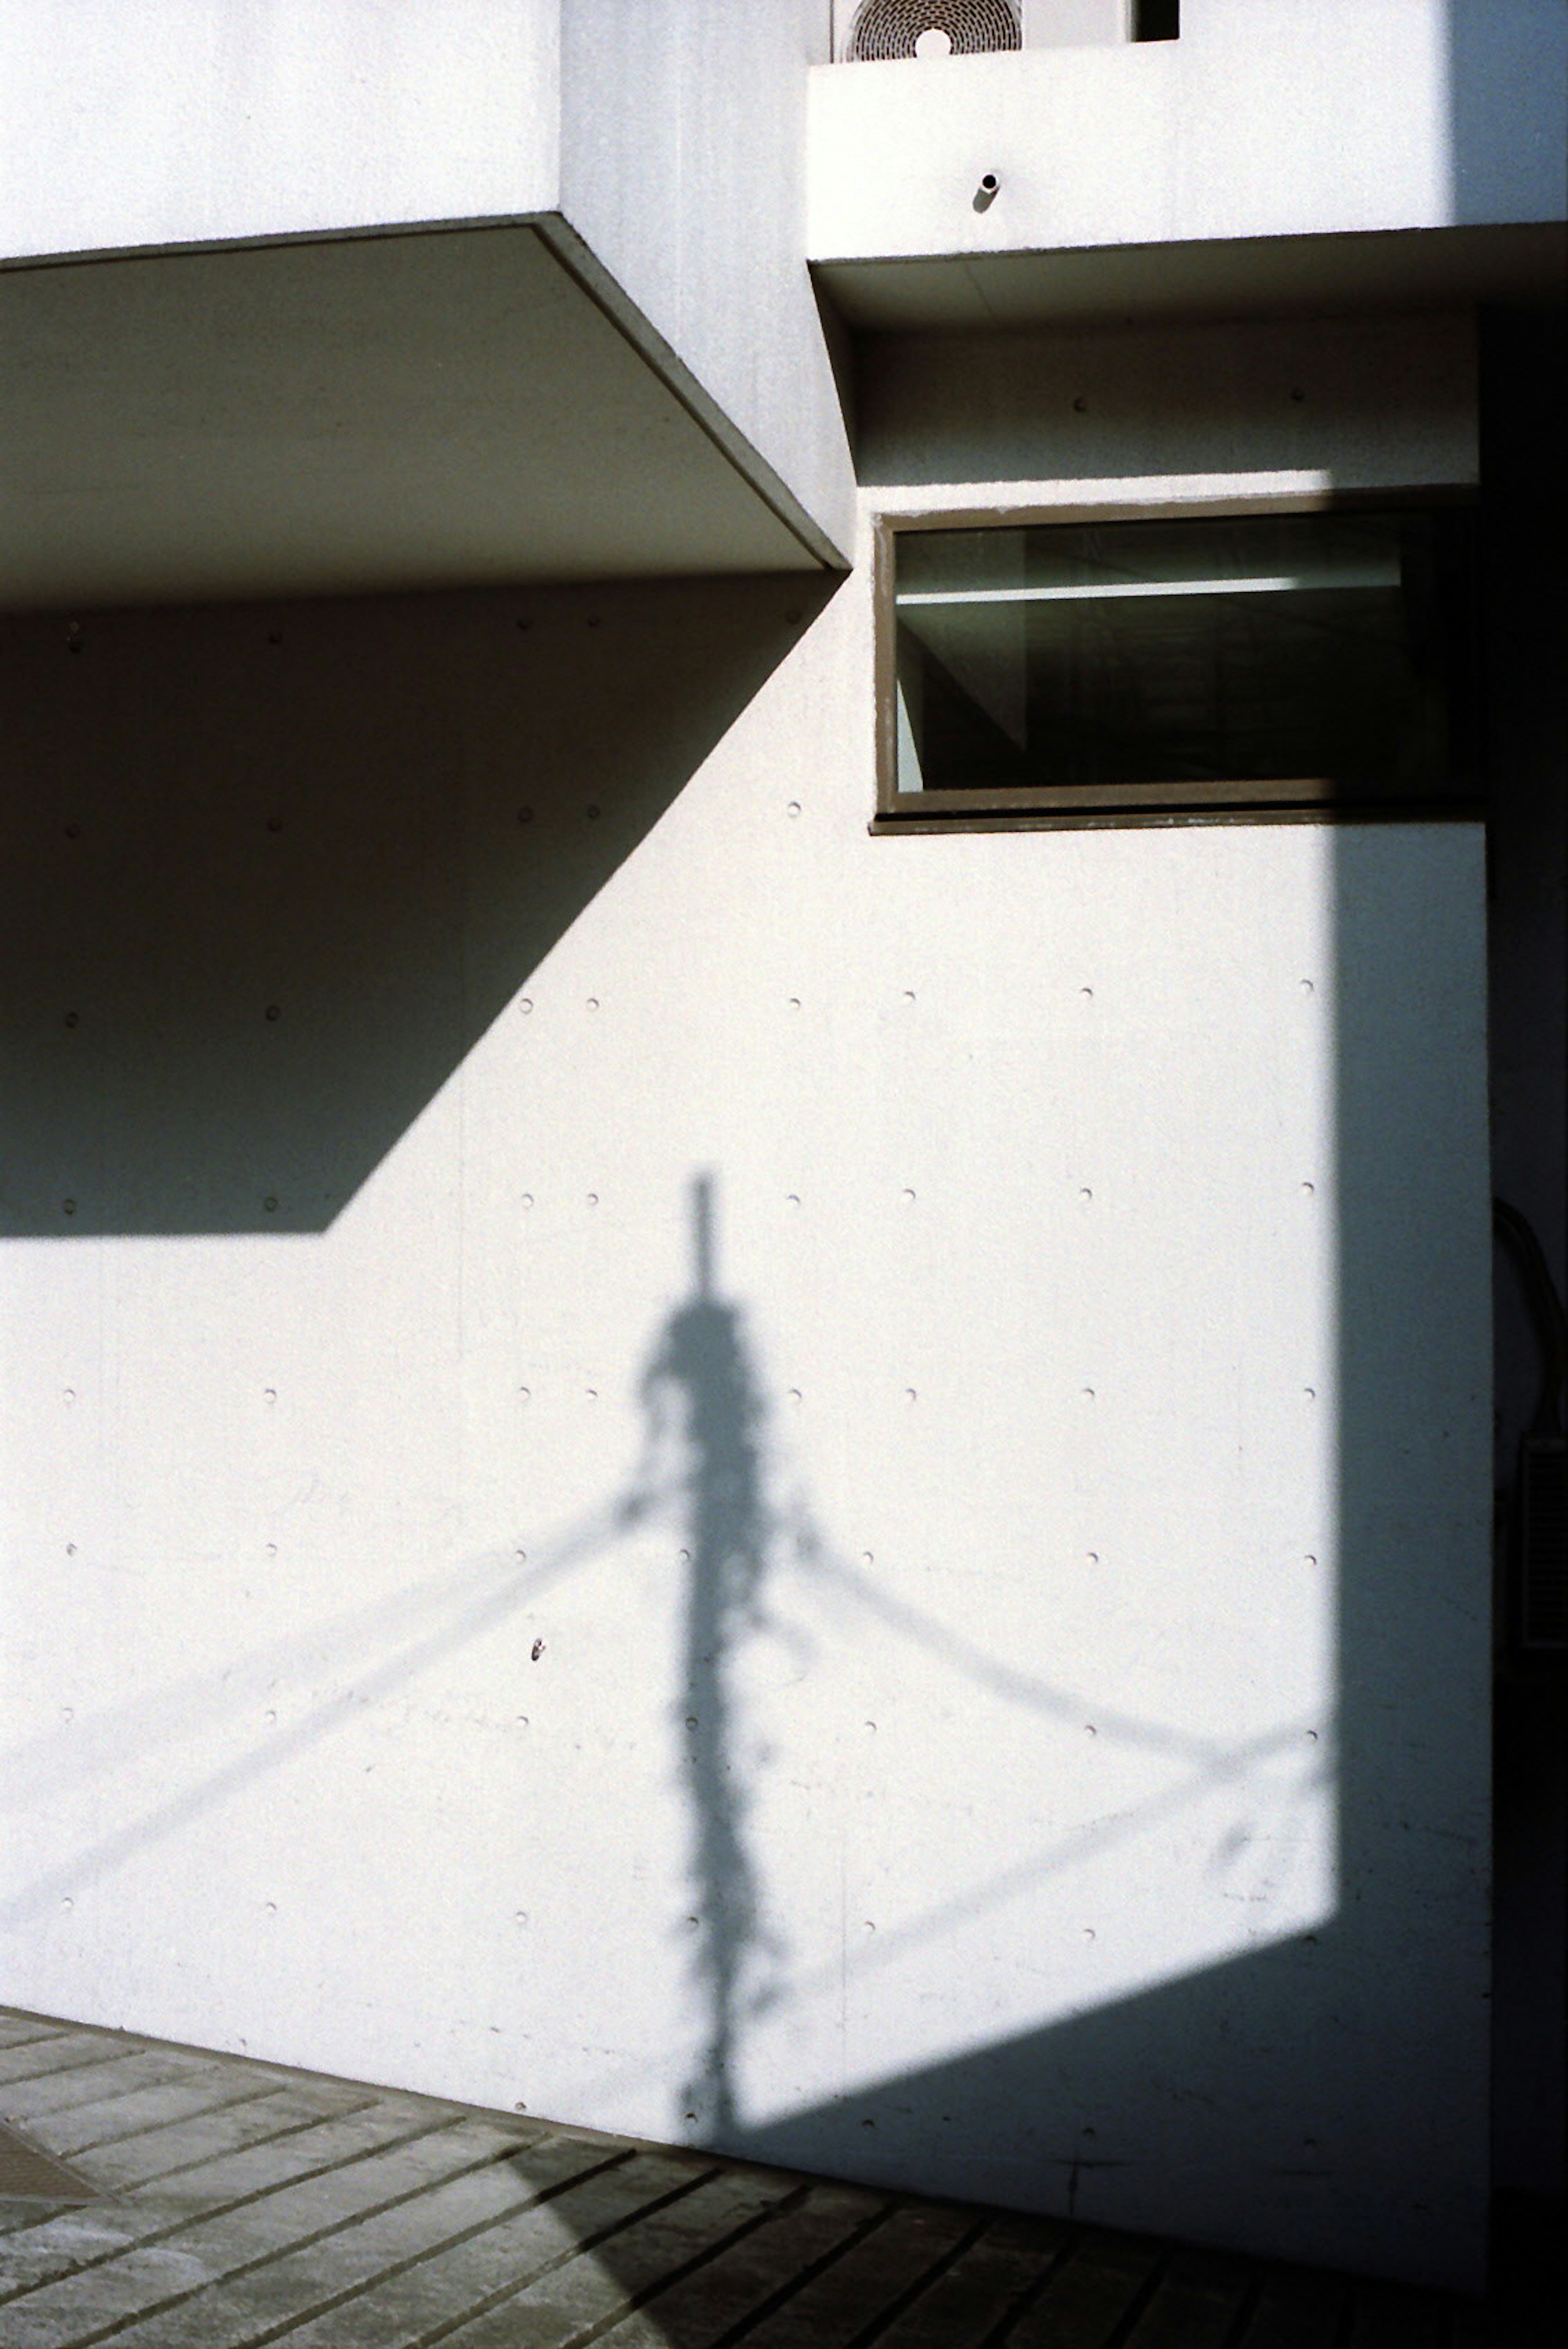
(683, 174)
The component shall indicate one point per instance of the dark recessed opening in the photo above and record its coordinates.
(1289, 659)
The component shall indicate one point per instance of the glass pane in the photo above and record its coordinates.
(1291, 647)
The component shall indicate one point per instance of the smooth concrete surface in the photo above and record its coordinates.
(1268, 120)
(1362, 404)
(744, 1483)
(333, 415)
(361, 417)
(1374, 271)
(683, 151)
(214, 121)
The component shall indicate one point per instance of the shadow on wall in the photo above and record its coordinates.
(1505, 109)
(1007, 2120)
(271, 872)
(1237, 2087)
(705, 1415)
(1326, 2091)
(342, 832)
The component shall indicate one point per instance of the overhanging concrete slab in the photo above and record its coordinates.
(1229, 277)
(317, 416)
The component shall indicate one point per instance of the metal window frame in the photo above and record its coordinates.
(1310, 799)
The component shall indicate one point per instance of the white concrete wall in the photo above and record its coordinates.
(682, 171)
(1267, 119)
(992, 1693)
(1366, 404)
(186, 121)
(662, 151)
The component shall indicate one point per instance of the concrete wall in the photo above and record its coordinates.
(1385, 404)
(193, 120)
(1269, 120)
(682, 171)
(661, 152)
(665, 1461)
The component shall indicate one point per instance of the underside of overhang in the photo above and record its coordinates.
(430, 408)
(1387, 270)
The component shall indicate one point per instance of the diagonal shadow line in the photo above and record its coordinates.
(1012, 1883)
(99, 1859)
(1051, 1860)
(42, 1763)
(1024, 1688)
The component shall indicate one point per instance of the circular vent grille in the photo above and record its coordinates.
(890, 28)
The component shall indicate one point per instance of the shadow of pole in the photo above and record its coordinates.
(700, 1377)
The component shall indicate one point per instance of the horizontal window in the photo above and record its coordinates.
(1265, 663)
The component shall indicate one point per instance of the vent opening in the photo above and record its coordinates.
(871, 30)
(919, 28)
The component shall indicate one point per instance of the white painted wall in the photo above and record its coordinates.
(1093, 1385)
(1269, 120)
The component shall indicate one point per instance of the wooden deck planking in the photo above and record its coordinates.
(102, 2121)
(871, 2280)
(1009, 2266)
(748, 2277)
(587, 2293)
(223, 2181)
(1094, 2290)
(1201, 2301)
(27, 2101)
(295, 2287)
(125, 2164)
(1386, 2318)
(54, 2251)
(33, 2059)
(208, 2247)
(24, 2030)
(463, 2280)
(243, 2204)
(1297, 2308)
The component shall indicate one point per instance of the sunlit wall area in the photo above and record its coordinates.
(726, 1478)
(1359, 118)
(307, 299)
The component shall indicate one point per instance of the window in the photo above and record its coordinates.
(1269, 663)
